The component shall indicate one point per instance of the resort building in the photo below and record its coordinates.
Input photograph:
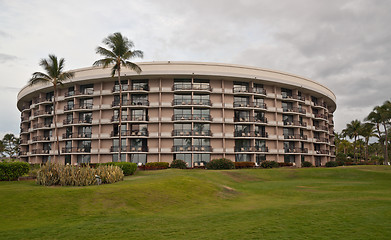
(180, 110)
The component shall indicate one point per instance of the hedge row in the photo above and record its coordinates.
(67, 175)
(127, 167)
(13, 170)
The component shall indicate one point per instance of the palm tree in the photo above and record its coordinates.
(118, 55)
(56, 76)
(367, 131)
(352, 131)
(381, 115)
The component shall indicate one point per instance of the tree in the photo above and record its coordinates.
(118, 55)
(54, 75)
(367, 131)
(352, 131)
(9, 146)
(381, 115)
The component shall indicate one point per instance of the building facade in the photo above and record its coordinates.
(180, 110)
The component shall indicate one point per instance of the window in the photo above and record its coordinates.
(242, 116)
(201, 113)
(139, 99)
(260, 145)
(182, 84)
(140, 85)
(84, 146)
(138, 158)
(85, 131)
(258, 88)
(184, 157)
(240, 87)
(83, 159)
(139, 114)
(259, 116)
(68, 160)
(71, 91)
(182, 99)
(201, 158)
(201, 99)
(124, 85)
(240, 101)
(85, 117)
(86, 103)
(70, 105)
(242, 130)
(49, 96)
(242, 158)
(123, 157)
(87, 89)
(259, 158)
(289, 158)
(286, 93)
(287, 106)
(115, 147)
(201, 84)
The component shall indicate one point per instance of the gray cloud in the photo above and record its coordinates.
(343, 44)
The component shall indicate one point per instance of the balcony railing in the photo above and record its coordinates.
(194, 117)
(130, 88)
(130, 133)
(250, 119)
(296, 110)
(319, 115)
(78, 106)
(320, 104)
(251, 134)
(182, 148)
(76, 135)
(325, 140)
(251, 149)
(207, 133)
(322, 151)
(131, 103)
(76, 150)
(296, 150)
(322, 128)
(296, 136)
(41, 112)
(78, 93)
(42, 99)
(42, 125)
(192, 86)
(295, 123)
(129, 149)
(40, 151)
(41, 138)
(259, 91)
(77, 120)
(205, 102)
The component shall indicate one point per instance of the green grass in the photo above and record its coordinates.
(315, 203)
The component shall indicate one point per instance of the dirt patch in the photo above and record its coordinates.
(240, 177)
(227, 192)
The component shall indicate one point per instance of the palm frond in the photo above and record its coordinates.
(104, 62)
(105, 52)
(133, 66)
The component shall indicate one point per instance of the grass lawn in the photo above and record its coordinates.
(316, 203)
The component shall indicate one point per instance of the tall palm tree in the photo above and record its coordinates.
(118, 54)
(54, 75)
(367, 131)
(352, 131)
(381, 115)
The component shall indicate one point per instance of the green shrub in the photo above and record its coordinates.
(331, 164)
(127, 167)
(306, 164)
(269, 164)
(221, 163)
(156, 165)
(67, 175)
(178, 164)
(244, 164)
(12, 170)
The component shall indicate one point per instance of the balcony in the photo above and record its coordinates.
(129, 149)
(198, 102)
(126, 87)
(251, 149)
(322, 140)
(320, 104)
(241, 89)
(321, 128)
(192, 87)
(42, 125)
(76, 135)
(296, 150)
(295, 123)
(322, 151)
(293, 96)
(296, 137)
(294, 110)
(87, 92)
(40, 151)
(183, 148)
(206, 133)
(41, 112)
(259, 91)
(251, 119)
(136, 133)
(77, 121)
(319, 115)
(41, 138)
(250, 104)
(191, 117)
(116, 118)
(76, 150)
(42, 100)
(251, 134)
(128, 103)
(78, 106)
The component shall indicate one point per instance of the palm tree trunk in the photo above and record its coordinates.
(355, 139)
(55, 123)
(386, 145)
(120, 114)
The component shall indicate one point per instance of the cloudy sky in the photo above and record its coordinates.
(343, 44)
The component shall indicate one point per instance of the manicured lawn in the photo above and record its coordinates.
(316, 203)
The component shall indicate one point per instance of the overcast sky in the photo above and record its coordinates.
(344, 45)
